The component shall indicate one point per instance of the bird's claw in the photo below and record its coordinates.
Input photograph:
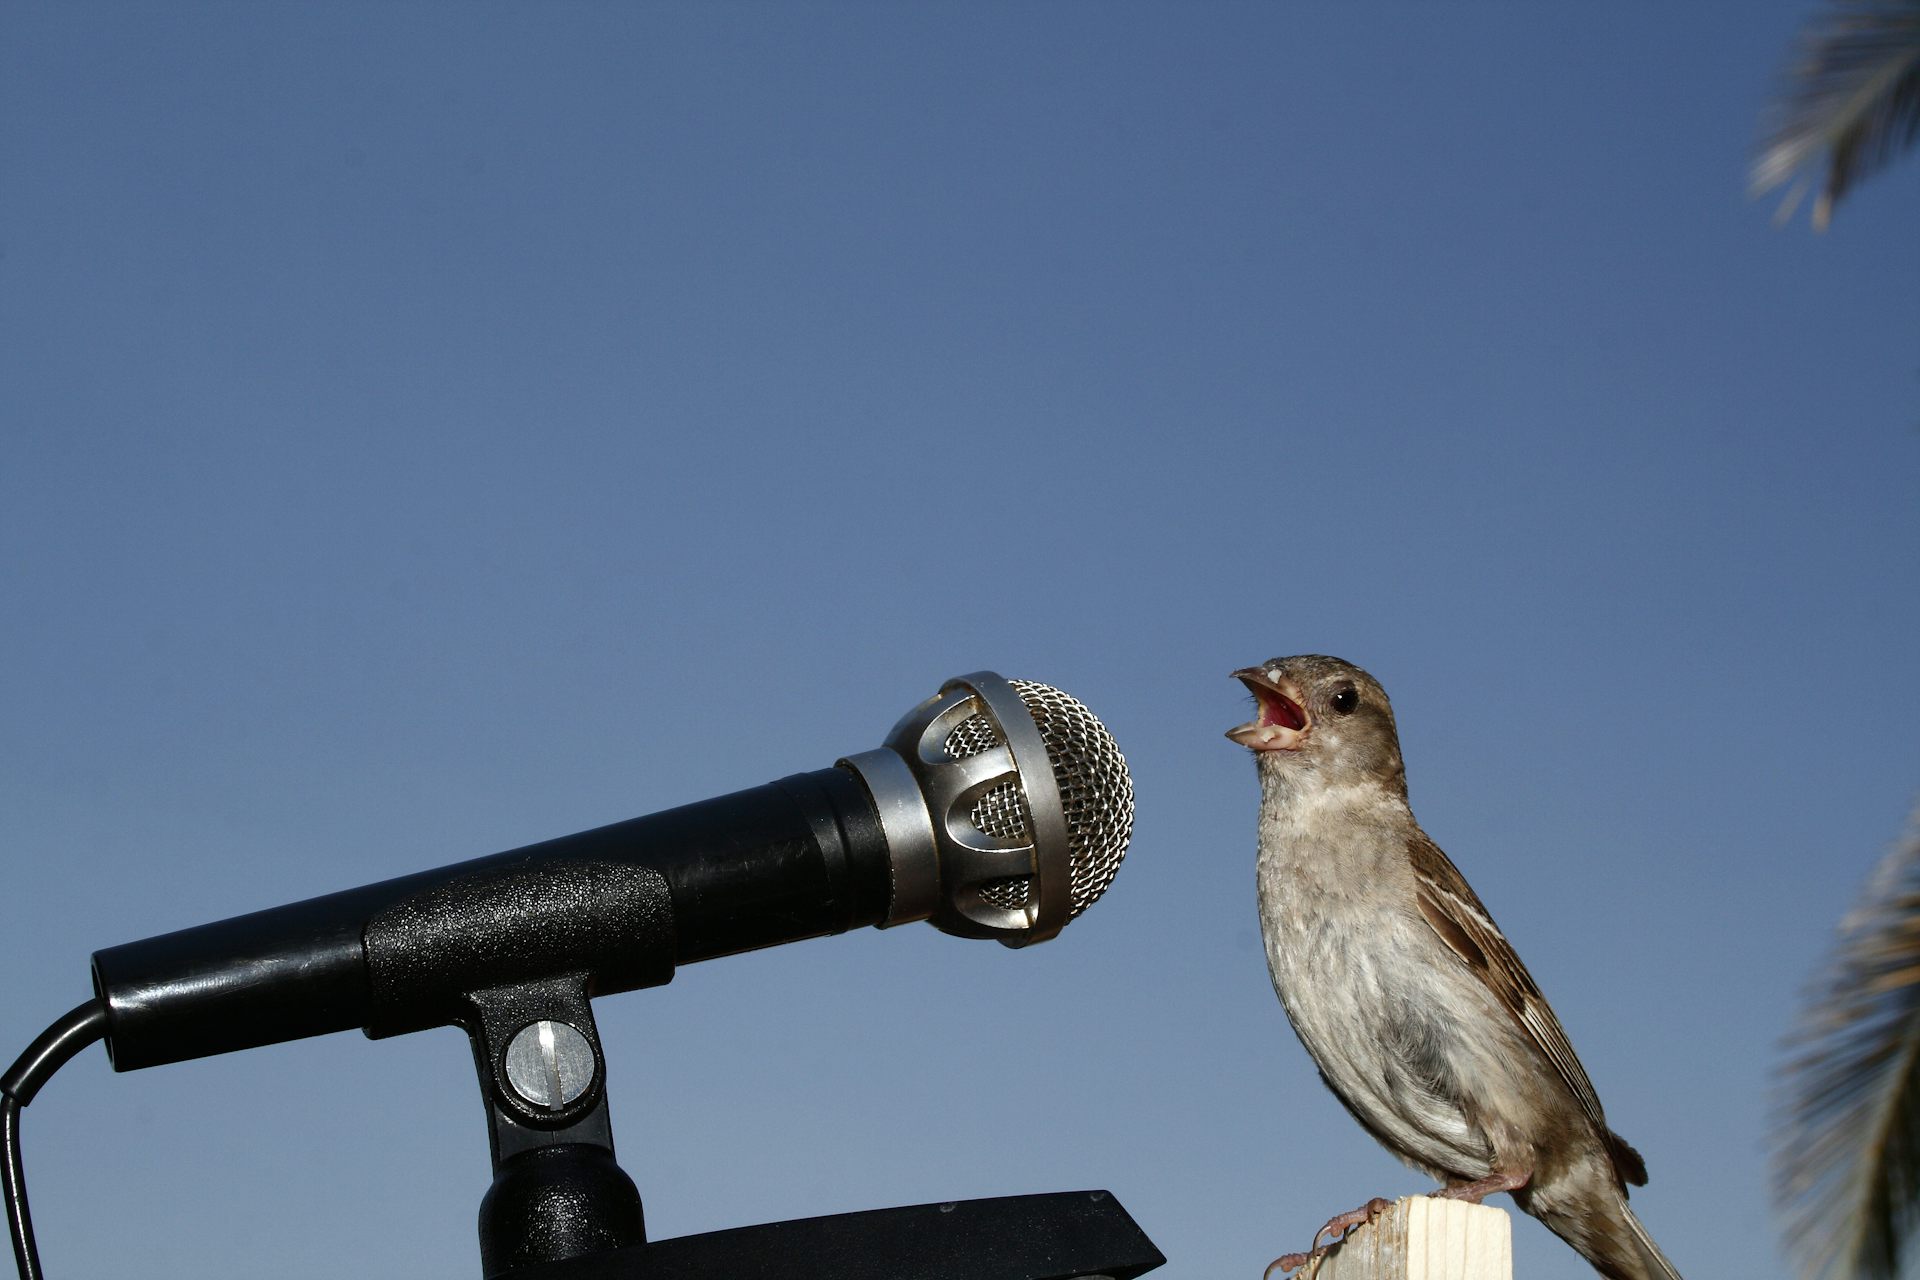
(1346, 1222)
(1289, 1262)
(1342, 1223)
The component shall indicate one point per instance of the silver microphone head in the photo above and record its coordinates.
(1006, 807)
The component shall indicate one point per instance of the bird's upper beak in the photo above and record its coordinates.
(1283, 722)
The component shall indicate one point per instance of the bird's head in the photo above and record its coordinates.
(1320, 715)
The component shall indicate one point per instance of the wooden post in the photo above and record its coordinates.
(1423, 1238)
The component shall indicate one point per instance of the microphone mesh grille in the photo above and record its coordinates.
(1095, 788)
(1002, 813)
(971, 736)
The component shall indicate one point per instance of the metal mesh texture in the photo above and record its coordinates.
(1008, 892)
(1000, 813)
(971, 736)
(1095, 788)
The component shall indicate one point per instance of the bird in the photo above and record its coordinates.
(1412, 1003)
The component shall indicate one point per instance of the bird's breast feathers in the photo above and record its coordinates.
(1352, 960)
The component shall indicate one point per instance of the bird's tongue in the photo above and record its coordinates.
(1278, 709)
(1281, 724)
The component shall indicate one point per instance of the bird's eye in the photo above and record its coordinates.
(1345, 699)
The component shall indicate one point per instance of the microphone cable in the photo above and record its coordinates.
(43, 1057)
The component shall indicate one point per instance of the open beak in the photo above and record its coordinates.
(1282, 723)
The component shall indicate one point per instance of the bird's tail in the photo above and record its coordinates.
(1654, 1261)
(1608, 1236)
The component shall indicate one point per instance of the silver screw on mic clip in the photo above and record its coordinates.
(549, 1064)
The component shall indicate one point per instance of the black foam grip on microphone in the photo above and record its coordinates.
(620, 905)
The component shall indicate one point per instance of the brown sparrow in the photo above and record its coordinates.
(1418, 1013)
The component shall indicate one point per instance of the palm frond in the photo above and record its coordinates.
(1847, 1127)
(1852, 95)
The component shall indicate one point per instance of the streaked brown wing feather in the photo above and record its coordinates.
(1463, 922)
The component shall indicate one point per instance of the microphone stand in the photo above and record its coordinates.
(513, 947)
(561, 1208)
(557, 1192)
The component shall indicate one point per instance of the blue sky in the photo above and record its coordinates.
(431, 428)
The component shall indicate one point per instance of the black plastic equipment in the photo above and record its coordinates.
(512, 949)
(1057, 1236)
(560, 1208)
(622, 904)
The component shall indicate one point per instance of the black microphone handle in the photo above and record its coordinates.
(619, 905)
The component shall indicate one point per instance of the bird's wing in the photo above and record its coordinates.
(1456, 913)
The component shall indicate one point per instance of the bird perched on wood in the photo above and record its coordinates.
(1412, 1003)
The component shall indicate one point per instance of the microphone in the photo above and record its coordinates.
(994, 809)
